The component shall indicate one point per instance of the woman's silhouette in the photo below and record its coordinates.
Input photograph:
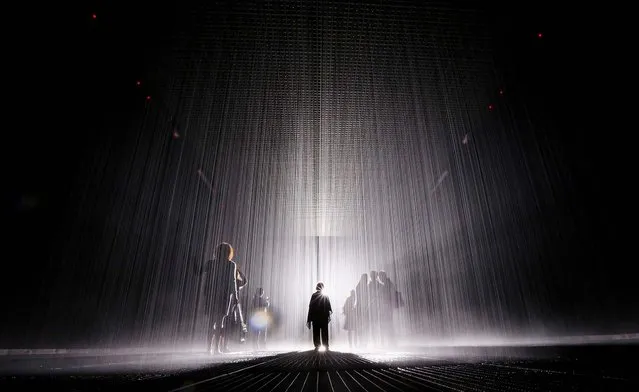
(222, 297)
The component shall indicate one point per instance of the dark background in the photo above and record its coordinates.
(71, 90)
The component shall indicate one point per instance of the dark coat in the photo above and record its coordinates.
(221, 283)
(319, 309)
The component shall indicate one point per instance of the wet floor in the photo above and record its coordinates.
(546, 368)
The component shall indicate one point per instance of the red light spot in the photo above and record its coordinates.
(138, 83)
(148, 97)
(490, 107)
(94, 16)
(540, 35)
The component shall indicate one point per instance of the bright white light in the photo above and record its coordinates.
(321, 349)
(260, 320)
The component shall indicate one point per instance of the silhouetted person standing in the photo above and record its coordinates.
(349, 317)
(388, 302)
(362, 305)
(319, 314)
(222, 296)
(375, 293)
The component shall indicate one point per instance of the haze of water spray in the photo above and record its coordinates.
(322, 145)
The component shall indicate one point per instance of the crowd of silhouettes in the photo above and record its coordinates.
(368, 311)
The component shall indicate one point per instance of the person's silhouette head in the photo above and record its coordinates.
(382, 276)
(373, 275)
(224, 252)
(260, 292)
(319, 286)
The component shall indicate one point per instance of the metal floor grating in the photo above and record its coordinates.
(333, 371)
(307, 371)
